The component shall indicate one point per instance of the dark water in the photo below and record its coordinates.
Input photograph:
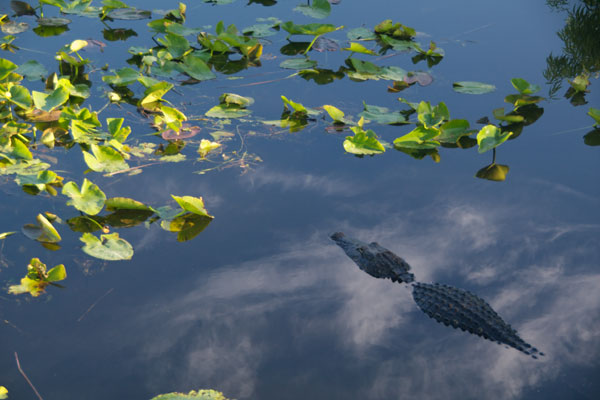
(262, 305)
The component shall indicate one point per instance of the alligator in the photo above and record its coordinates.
(448, 305)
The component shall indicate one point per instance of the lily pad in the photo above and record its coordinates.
(129, 14)
(13, 27)
(196, 68)
(53, 22)
(187, 226)
(298, 63)
(491, 136)
(206, 146)
(90, 199)
(125, 203)
(104, 159)
(359, 48)
(363, 142)
(43, 232)
(318, 9)
(109, 247)
(227, 111)
(420, 138)
(470, 87)
(4, 235)
(32, 70)
(382, 115)
(37, 278)
(193, 395)
(523, 86)
(595, 114)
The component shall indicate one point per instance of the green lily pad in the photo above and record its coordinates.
(493, 172)
(452, 131)
(49, 101)
(361, 34)
(236, 99)
(227, 111)
(43, 232)
(53, 22)
(43, 180)
(523, 86)
(363, 142)
(336, 115)
(318, 9)
(125, 203)
(382, 115)
(37, 278)
(595, 113)
(206, 146)
(192, 204)
(196, 68)
(420, 138)
(6, 67)
(129, 14)
(308, 29)
(469, 87)
(176, 45)
(193, 395)
(491, 136)
(19, 95)
(32, 70)
(122, 77)
(109, 247)
(359, 48)
(298, 63)
(90, 199)
(104, 159)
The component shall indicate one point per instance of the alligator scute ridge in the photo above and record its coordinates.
(446, 304)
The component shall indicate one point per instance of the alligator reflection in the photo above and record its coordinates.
(446, 304)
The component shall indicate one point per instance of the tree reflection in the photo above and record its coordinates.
(581, 51)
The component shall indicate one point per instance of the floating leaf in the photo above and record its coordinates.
(363, 142)
(308, 29)
(90, 199)
(227, 111)
(187, 226)
(206, 146)
(470, 87)
(122, 77)
(43, 180)
(109, 247)
(129, 14)
(53, 22)
(4, 235)
(104, 159)
(361, 34)
(396, 30)
(43, 232)
(580, 83)
(32, 70)
(192, 204)
(13, 27)
(193, 395)
(3, 393)
(382, 115)
(595, 113)
(187, 131)
(491, 136)
(6, 67)
(37, 278)
(336, 115)
(49, 101)
(196, 67)
(236, 99)
(523, 86)
(176, 45)
(318, 9)
(21, 8)
(419, 138)
(359, 48)
(298, 63)
(452, 131)
(493, 172)
(125, 203)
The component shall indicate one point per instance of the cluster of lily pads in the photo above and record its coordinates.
(57, 117)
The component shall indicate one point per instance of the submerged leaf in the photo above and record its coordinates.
(493, 172)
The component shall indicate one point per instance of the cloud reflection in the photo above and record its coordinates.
(240, 327)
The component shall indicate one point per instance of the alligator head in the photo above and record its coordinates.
(375, 260)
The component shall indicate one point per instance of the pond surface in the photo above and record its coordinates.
(262, 304)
